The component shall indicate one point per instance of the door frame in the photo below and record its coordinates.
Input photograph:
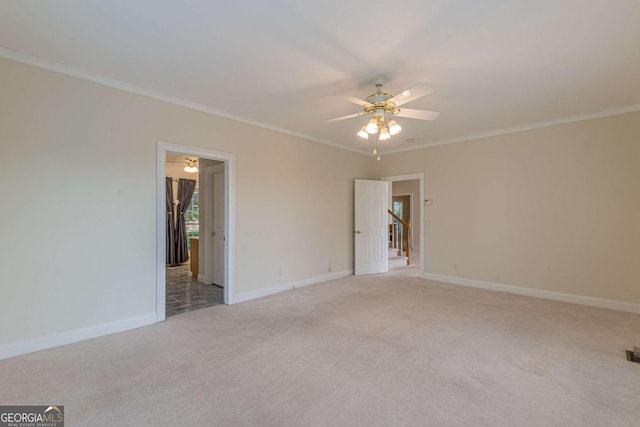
(409, 177)
(229, 160)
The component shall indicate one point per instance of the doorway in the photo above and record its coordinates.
(191, 259)
(210, 266)
(406, 195)
(403, 209)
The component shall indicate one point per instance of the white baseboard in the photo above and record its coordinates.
(259, 293)
(68, 337)
(537, 293)
(203, 279)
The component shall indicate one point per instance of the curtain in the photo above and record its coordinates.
(171, 224)
(186, 188)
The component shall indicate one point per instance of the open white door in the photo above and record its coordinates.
(218, 226)
(371, 229)
(214, 232)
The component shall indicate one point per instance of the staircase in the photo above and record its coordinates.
(397, 229)
(395, 260)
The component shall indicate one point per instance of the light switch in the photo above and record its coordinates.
(428, 202)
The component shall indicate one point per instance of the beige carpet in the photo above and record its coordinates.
(386, 350)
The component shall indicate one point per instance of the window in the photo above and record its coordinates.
(397, 209)
(192, 217)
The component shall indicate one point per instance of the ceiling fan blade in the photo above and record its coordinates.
(357, 101)
(350, 116)
(417, 114)
(411, 94)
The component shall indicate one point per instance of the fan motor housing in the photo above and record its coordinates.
(378, 108)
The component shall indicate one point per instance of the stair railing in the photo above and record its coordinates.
(405, 231)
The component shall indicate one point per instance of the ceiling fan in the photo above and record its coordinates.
(383, 107)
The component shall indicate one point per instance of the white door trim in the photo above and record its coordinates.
(420, 198)
(230, 223)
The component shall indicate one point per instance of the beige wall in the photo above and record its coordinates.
(78, 243)
(411, 187)
(556, 208)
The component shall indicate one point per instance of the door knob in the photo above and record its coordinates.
(213, 233)
(358, 231)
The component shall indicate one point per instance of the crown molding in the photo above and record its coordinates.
(570, 119)
(150, 93)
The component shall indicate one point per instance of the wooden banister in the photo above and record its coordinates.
(407, 227)
(405, 223)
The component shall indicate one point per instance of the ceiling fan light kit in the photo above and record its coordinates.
(362, 133)
(383, 107)
(372, 126)
(394, 128)
(384, 134)
(191, 165)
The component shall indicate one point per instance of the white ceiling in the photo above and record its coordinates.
(178, 158)
(492, 64)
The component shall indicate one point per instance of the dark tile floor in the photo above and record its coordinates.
(184, 293)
